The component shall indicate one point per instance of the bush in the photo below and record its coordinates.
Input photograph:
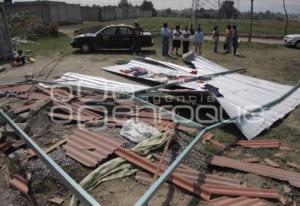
(53, 30)
(26, 25)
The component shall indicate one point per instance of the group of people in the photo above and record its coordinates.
(186, 36)
(231, 40)
(189, 34)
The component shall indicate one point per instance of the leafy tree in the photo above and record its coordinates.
(228, 10)
(148, 5)
(124, 3)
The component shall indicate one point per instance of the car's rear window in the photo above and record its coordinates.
(125, 31)
(109, 30)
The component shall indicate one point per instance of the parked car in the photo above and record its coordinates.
(292, 40)
(110, 37)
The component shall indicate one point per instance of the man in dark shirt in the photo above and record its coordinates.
(235, 40)
(136, 38)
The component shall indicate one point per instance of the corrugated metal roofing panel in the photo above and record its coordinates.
(77, 109)
(192, 174)
(292, 177)
(79, 80)
(239, 201)
(241, 92)
(272, 143)
(202, 190)
(89, 148)
(18, 88)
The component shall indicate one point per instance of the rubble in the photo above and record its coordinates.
(56, 200)
(20, 184)
(84, 138)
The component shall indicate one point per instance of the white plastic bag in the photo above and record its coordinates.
(137, 132)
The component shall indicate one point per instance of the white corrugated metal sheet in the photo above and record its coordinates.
(239, 92)
(76, 79)
(244, 92)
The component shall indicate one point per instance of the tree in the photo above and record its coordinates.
(228, 10)
(124, 3)
(148, 6)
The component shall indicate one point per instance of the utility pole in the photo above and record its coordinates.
(251, 22)
(219, 5)
(5, 40)
(286, 18)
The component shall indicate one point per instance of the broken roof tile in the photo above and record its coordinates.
(89, 148)
(292, 177)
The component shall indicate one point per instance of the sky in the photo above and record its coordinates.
(293, 6)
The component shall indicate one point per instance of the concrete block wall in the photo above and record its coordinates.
(74, 14)
(49, 12)
(90, 13)
(5, 43)
(63, 13)
(108, 13)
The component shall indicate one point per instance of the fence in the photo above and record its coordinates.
(64, 13)
(57, 12)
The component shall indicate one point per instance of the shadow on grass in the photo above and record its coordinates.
(116, 52)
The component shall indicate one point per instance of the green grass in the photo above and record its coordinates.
(49, 46)
(270, 28)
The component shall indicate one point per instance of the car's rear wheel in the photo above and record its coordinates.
(85, 48)
(297, 45)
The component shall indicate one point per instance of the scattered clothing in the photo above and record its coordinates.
(135, 71)
(213, 90)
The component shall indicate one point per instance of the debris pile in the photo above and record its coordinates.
(98, 133)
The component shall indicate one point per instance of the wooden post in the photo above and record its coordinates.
(251, 22)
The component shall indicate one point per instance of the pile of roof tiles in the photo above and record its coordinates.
(92, 149)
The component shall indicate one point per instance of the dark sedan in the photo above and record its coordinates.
(110, 37)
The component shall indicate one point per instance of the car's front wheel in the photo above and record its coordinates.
(85, 48)
(297, 45)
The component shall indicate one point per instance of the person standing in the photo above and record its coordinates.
(176, 40)
(186, 40)
(228, 39)
(215, 38)
(198, 40)
(235, 40)
(192, 30)
(136, 38)
(165, 35)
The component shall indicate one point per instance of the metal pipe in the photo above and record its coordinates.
(154, 187)
(192, 79)
(82, 195)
